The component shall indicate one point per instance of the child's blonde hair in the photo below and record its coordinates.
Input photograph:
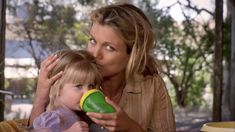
(77, 67)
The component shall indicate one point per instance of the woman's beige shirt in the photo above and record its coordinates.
(147, 102)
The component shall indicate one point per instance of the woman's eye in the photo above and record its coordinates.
(109, 48)
(92, 41)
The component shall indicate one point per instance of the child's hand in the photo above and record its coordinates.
(79, 126)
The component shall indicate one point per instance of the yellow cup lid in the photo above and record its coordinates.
(85, 95)
(227, 126)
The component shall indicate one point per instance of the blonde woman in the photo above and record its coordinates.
(121, 40)
(79, 75)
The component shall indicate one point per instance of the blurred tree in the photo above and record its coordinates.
(185, 53)
(49, 24)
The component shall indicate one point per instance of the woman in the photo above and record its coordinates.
(121, 38)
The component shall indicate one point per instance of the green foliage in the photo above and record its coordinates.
(51, 24)
(195, 93)
(81, 33)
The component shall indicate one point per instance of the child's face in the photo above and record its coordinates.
(71, 94)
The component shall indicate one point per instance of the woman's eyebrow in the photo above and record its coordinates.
(91, 35)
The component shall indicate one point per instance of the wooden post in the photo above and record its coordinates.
(2, 54)
(232, 70)
(218, 58)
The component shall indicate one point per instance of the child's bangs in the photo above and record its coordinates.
(82, 73)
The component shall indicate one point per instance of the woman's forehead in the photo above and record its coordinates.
(105, 34)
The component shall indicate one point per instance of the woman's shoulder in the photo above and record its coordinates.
(149, 83)
(149, 79)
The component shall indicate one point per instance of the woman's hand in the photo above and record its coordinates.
(43, 86)
(118, 121)
(79, 126)
(44, 82)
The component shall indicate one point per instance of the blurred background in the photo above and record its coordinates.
(195, 44)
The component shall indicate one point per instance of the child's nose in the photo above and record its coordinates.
(85, 89)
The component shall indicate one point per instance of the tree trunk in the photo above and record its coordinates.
(232, 70)
(181, 98)
(218, 58)
(2, 55)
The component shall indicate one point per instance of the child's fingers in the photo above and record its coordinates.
(83, 126)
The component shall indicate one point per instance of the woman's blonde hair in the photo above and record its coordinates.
(135, 30)
(77, 67)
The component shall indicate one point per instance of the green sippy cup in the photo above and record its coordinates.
(94, 101)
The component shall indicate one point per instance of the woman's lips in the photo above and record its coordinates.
(99, 66)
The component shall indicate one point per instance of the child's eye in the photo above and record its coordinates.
(79, 86)
(91, 86)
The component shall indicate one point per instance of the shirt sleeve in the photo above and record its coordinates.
(48, 122)
(163, 117)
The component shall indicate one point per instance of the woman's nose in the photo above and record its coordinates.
(97, 52)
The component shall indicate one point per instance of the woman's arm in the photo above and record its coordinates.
(43, 87)
(162, 116)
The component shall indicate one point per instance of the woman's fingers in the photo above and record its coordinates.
(101, 116)
(52, 64)
(57, 76)
(108, 124)
(49, 60)
(118, 121)
(44, 82)
(47, 66)
(103, 119)
(116, 107)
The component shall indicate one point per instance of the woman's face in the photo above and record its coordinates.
(108, 49)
